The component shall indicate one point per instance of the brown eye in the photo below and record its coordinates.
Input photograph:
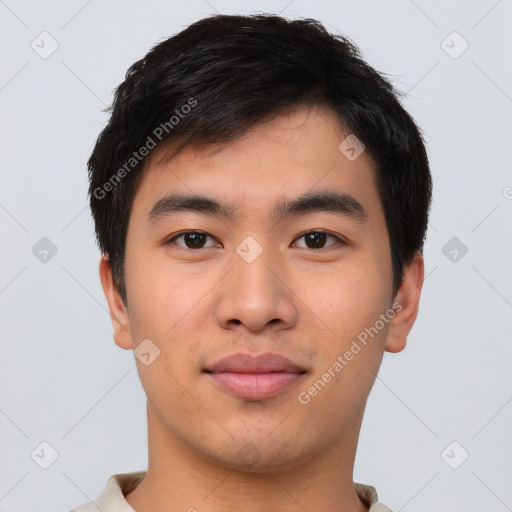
(191, 239)
(317, 239)
(197, 240)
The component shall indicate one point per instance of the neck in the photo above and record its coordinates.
(180, 478)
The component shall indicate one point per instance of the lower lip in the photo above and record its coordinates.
(255, 386)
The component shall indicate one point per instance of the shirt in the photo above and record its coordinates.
(112, 498)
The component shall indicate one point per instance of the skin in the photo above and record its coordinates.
(308, 304)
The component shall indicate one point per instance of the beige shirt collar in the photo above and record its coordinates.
(112, 498)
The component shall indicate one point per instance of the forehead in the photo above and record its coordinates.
(292, 155)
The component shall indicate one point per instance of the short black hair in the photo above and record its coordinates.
(224, 74)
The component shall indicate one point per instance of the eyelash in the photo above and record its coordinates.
(179, 235)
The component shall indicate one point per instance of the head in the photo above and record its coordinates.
(308, 191)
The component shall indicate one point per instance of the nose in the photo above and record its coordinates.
(256, 296)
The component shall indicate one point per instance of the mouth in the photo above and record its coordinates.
(254, 378)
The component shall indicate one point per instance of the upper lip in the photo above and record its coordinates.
(246, 363)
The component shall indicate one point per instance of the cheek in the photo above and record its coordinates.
(167, 305)
(160, 295)
(350, 304)
(351, 298)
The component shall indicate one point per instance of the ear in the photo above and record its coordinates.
(118, 311)
(407, 303)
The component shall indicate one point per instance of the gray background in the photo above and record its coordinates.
(64, 381)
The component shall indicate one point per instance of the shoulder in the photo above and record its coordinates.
(368, 495)
(112, 498)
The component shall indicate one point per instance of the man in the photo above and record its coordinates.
(261, 200)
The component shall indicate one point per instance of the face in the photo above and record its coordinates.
(311, 283)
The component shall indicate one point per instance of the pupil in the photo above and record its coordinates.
(316, 238)
(194, 238)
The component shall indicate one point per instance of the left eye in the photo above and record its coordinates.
(316, 238)
(196, 239)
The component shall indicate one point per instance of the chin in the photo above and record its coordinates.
(252, 457)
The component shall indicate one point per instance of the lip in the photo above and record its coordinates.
(255, 377)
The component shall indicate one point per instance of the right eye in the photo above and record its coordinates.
(192, 239)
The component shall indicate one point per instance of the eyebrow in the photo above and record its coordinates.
(330, 201)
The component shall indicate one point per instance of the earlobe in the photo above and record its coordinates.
(116, 306)
(408, 298)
